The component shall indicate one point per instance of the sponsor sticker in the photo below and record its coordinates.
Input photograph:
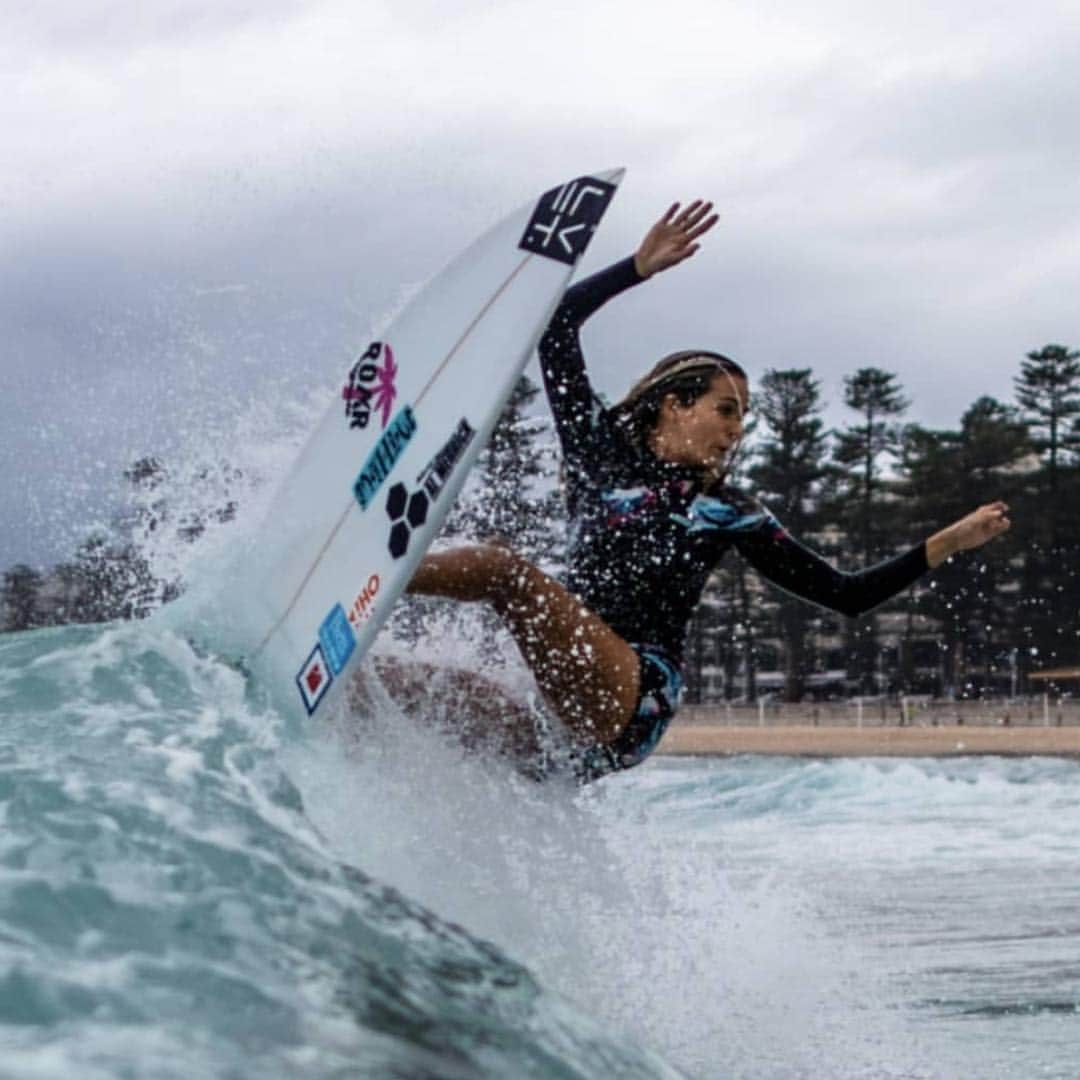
(565, 218)
(438, 469)
(364, 603)
(384, 456)
(409, 510)
(314, 679)
(337, 639)
(371, 387)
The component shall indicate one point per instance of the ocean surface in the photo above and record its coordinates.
(191, 888)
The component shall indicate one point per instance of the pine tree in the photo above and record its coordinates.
(734, 615)
(67, 587)
(861, 448)
(113, 582)
(21, 594)
(971, 599)
(790, 467)
(1048, 393)
(861, 452)
(511, 496)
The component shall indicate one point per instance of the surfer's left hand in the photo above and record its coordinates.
(674, 237)
(971, 531)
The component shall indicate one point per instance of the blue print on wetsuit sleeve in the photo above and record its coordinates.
(623, 504)
(709, 514)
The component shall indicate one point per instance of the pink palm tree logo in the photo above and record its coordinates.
(384, 393)
(371, 388)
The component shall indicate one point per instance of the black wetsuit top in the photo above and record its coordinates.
(645, 534)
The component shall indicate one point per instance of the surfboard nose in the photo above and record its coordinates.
(611, 176)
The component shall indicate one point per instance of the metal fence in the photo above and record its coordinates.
(1044, 711)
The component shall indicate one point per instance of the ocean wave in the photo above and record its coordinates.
(168, 908)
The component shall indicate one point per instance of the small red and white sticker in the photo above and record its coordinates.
(314, 679)
(364, 604)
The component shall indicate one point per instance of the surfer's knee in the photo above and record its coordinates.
(482, 571)
(509, 573)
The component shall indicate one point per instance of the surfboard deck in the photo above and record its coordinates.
(372, 486)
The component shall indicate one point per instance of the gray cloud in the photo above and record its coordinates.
(110, 29)
(214, 204)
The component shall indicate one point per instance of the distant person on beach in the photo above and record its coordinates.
(651, 514)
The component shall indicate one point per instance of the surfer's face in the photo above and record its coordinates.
(705, 432)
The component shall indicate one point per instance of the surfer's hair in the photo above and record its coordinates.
(687, 374)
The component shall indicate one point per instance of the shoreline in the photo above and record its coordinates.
(698, 739)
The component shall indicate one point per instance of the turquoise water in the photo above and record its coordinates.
(190, 888)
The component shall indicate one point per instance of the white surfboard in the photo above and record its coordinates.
(372, 486)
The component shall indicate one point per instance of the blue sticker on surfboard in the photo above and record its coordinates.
(381, 461)
(337, 639)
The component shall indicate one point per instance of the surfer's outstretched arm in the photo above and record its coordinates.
(971, 531)
(797, 569)
(674, 237)
(575, 406)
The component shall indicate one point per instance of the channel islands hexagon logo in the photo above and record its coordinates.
(407, 512)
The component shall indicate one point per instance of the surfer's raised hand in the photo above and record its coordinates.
(674, 237)
(971, 531)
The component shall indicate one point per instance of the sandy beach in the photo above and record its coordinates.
(690, 739)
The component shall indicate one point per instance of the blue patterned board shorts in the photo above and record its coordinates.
(658, 700)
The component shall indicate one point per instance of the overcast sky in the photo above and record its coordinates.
(204, 207)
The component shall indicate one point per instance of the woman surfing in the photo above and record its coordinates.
(651, 513)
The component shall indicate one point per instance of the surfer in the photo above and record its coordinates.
(650, 513)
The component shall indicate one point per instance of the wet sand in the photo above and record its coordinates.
(689, 739)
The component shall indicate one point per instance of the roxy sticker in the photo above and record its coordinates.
(371, 387)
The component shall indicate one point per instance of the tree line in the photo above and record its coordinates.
(858, 493)
(978, 624)
(110, 576)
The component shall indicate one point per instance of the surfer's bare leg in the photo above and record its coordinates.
(505, 724)
(588, 674)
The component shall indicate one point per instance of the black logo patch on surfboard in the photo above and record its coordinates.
(409, 510)
(565, 219)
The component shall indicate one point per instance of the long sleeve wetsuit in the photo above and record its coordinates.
(645, 534)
